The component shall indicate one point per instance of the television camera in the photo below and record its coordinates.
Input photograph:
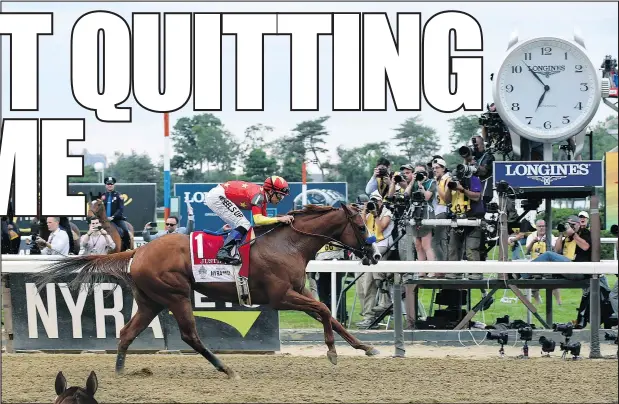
(498, 139)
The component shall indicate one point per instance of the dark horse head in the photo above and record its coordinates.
(76, 395)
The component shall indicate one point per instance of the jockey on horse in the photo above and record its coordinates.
(114, 209)
(226, 199)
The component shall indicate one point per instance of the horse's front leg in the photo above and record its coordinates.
(292, 300)
(339, 328)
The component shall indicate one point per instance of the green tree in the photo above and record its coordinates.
(133, 168)
(356, 166)
(312, 134)
(416, 141)
(254, 139)
(290, 156)
(258, 166)
(90, 175)
(201, 143)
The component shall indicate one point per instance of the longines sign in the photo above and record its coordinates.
(543, 174)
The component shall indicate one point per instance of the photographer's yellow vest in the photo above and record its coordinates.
(383, 188)
(370, 222)
(460, 203)
(442, 185)
(569, 248)
(538, 249)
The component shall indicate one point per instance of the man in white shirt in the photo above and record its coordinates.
(97, 240)
(58, 240)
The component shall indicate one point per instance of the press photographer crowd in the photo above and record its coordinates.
(432, 189)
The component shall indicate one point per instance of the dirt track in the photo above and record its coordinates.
(473, 374)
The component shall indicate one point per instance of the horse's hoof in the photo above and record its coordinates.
(372, 352)
(332, 355)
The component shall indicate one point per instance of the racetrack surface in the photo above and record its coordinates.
(303, 374)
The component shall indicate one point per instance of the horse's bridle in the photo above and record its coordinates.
(338, 243)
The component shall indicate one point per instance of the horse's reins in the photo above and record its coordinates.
(337, 243)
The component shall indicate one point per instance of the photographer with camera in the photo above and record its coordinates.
(401, 179)
(440, 238)
(465, 197)
(97, 240)
(422, 193)
(476, 156)
(378, 219)
(381, 179)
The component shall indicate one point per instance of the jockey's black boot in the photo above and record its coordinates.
(225, 252)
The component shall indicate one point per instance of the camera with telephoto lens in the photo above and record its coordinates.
(371, 206)
(498, 137)
(421, 175)
(562, 227)
(397, 177)
(383, 172)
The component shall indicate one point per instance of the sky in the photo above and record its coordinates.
(598, 23)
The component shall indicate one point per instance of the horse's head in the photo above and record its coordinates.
(76, 395)
(356, 235)
(96, 208)
(348, 230)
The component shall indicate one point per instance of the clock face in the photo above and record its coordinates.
(547, 89)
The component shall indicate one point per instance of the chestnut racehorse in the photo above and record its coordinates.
(97, 209)
(161, 276)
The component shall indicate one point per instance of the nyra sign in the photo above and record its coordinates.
(542, 174)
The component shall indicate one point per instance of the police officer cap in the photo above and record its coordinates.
(110, 180)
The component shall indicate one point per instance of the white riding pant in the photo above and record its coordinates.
(224, 208)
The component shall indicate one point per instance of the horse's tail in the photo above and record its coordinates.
(94, 269)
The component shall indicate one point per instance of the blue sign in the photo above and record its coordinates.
(544, 174)
(318, 193)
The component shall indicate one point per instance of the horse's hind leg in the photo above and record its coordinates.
(337, 327)
(147, 311)
(293, 300)
(183, 313)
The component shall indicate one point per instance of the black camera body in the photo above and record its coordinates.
(562, 227)
(398, 178)
(567, 329)
(614, 230)
(501, 337)
(572, 347)
(525, 333)
(371, 206)
(497, 134)
(421, 176)
(383, 172)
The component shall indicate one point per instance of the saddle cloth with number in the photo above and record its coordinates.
(206, 267)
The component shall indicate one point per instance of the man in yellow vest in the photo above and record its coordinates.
(378, 220)
(536, 245)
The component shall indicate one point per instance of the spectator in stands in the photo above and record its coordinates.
(584, 219)
(381, 179)
(440, 237)
(423, 234)
(171, 226)
(97, 240)
(536, 245)
(58, 241)
(466, 202)
(378, 219)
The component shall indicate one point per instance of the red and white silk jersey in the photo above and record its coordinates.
(247, 196)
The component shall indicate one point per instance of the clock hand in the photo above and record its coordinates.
(534, 74)
(546, 88)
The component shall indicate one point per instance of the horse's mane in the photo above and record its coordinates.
(312, 209)
(307, 210)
